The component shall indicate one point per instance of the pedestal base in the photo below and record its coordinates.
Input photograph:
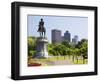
(42, 51)
(42, 55)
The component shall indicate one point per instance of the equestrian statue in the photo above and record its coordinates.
(41, 28)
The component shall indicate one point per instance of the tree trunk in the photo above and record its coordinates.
(57, 57)
(77, 59)
(83, 60)
(73, 58)
(69, 56)
(64, 57)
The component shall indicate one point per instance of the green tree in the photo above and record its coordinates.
(80, 43)
(31, 46)
(66, 43)
(57, 49)
(84, 53)
(77, 54)
(68, 52)
(84, 49)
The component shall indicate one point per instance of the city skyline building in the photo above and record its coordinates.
(56, 36)
(67, 36)
(75, 39)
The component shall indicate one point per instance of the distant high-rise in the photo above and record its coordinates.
(75, 39)
(67, 36)
(56, 36)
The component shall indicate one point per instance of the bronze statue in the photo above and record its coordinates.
(41, 28)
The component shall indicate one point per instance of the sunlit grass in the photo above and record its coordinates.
(80, 61)
(45, 61)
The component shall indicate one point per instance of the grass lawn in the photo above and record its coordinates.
(45, 61)
(80, 61)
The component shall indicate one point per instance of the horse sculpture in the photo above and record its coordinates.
(42, 29)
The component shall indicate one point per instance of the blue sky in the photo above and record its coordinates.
(75, 25)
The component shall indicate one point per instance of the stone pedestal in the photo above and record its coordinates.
(42, 51)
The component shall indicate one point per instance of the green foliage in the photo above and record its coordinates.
(66, 48)
(32, 52)
(32, 45)
(57, 49)
(82, 43)
(83, 49)
(66, 43)
(63, 49)
(52, 52)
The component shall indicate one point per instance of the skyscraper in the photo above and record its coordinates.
(75, 39)
(67, 36)
(56, 36)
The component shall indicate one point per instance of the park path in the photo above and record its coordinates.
(60, 62)
(63, 62)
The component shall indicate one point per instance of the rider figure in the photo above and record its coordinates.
(41, 22)
(41, 28)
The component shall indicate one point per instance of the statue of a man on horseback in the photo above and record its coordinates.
(41, 28)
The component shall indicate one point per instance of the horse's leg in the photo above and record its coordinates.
(44, 34)
(40, 34)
